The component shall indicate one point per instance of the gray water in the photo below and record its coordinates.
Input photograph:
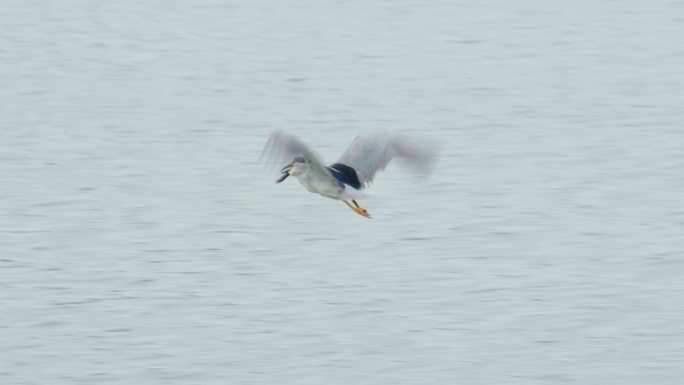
(141, 242)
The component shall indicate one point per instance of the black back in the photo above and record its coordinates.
(345, 174)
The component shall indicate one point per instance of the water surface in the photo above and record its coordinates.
(142, 243)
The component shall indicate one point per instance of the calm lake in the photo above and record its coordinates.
(142, 242)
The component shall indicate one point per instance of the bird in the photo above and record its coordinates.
(347, 178)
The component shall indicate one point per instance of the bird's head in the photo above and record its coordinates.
(294, 168)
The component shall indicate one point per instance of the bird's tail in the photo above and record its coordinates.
(350, 193)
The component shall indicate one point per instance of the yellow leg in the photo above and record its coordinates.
(358, 209)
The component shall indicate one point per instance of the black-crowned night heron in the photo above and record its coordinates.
(354, 169)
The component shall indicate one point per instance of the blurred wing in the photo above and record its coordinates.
(282, 148)
(371, 153)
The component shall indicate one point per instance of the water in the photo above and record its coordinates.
(141, 242)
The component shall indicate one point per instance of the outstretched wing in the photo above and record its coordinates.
(282, 148)
(371, 153)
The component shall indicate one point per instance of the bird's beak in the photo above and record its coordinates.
(286, 172)
(282, 177)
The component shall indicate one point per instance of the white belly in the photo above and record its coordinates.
(322, 187)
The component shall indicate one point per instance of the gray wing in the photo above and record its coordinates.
(283, 148)
(371, 153)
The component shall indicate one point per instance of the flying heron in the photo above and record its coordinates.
(353, 171)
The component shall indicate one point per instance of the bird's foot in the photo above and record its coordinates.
(358, 209)
(361, 211)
